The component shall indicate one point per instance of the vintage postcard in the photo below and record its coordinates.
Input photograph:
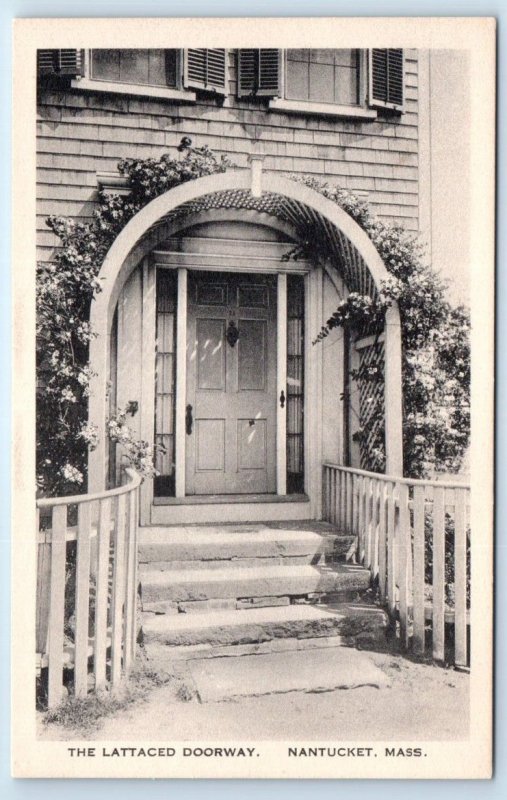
(253, 416)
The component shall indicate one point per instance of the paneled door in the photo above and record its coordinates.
(231, 403)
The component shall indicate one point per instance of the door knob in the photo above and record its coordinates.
(282, 399)
(189, 420)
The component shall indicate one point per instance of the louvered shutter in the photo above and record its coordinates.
(258, 73)
(60, 62)
(206, 69)
(386, 78)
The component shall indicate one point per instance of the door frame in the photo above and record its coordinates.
(313, 372)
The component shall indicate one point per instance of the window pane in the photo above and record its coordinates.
(106, 65)
(297, 81)
(346, 86)
(345, 58)
(139, 67)
(298, 55)
(322, 76)
(322, 83)
(133, 66)
(322, 56)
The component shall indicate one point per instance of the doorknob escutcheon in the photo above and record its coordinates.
(282, 399)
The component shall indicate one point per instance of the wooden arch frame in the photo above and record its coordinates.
(134, 241)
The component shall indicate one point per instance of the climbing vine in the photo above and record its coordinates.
(65, 288)
(435, 345)
(436, 354)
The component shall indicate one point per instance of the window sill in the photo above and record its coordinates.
(159, 92)
(322, 109)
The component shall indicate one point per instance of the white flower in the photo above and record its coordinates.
(68, 394)
(72, 474)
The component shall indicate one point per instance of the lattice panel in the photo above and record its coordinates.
(332, 244)
(371, 407)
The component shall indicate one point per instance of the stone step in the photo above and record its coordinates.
(313, 671)
(175, 586)
(354, 624)
(161, 656)
(245, 545)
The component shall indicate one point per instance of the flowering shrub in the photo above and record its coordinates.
(138, 453)
(435, 342)
(65, 289)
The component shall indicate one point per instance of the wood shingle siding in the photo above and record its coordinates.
(81, 133)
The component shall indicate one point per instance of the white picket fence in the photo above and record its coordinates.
(87, 588)
(410, 533)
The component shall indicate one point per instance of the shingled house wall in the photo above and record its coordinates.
(82, 132)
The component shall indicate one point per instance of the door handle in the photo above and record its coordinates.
(189, 420)
(282, 399)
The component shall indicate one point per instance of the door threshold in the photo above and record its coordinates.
(209, 499)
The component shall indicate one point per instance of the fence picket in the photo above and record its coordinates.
(361, 519)
(375, 527)
(349, 503)
(419, 570)
(82, 600)
(57, 606)
(130, 577)
(325, 492)
(460, 579)
(367, 522)
(382, 543)
(118, 592)
(135, 575)
(438, 601)
(355, 511)
(42, 594)
(343, 490)
(102, 593)
(391, 551)
(403, 536)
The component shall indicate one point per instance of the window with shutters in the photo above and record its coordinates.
(166, 73)
(347, 82)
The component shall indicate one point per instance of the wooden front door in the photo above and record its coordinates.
(231, 398)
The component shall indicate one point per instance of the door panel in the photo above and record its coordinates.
(210, 354)
(231, 386)
(252, 355)
(210, 445)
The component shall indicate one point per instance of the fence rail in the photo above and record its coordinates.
(414, 537)
(86, 589)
